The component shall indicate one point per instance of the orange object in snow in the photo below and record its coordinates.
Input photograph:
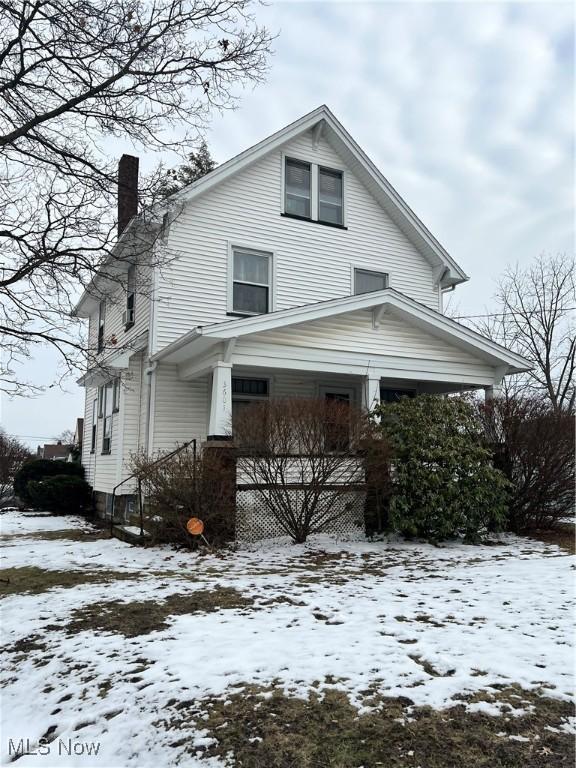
(195, 526)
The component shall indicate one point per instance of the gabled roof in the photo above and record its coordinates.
(203, 338)
(324, 122)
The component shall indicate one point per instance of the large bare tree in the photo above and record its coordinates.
(74, 75)
(535, 317)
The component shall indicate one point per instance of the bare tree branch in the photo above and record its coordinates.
(74, 73)
(536, 319)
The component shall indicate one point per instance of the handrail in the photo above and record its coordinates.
(136, 474)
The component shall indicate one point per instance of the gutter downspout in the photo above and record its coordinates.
(150, 404)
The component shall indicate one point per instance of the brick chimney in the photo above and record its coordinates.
(127, 190)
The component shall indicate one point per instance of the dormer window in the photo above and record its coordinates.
(329, 196)
(251, 281)
(298, 188)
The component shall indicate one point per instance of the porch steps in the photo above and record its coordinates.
(130, 535)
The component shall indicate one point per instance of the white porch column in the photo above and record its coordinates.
(220, 422)
(371, 391)
(493, 392)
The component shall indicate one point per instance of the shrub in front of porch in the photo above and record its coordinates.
(444, 484)
(303, 461)
(533, 445)
(181, 487)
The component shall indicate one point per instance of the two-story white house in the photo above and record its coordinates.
(296, 270)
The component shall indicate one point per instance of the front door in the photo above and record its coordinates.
(337, 431)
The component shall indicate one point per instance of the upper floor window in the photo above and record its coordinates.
(298, 188)
(251, 278)
(101, 322)
(115, 395)
(329, 196)
(366, 281)
(313, 192)
(130, 311)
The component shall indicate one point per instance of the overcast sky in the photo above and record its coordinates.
(467, 108)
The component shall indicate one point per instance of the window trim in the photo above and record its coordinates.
(245, 396)
(106, 413)
(360, 268)
(285, 160)
(116, 394)
(94, 426)
(258, 250)
(333, 171)
(314, 191)
(366, 268)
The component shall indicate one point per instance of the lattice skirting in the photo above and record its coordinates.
(255, 521)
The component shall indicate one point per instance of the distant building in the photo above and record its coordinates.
(53, 451)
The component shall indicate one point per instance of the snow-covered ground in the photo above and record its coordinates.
(430, 623)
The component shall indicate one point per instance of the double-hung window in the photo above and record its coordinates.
(130, 313)
(313, 192)
(367, 281)
(298, 188)
(94, 426)
(330, 196)
(101, 322)
(251, 279)
(115, 395)
(106, 399)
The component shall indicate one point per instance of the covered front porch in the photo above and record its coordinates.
(235, 386)
(363, 349)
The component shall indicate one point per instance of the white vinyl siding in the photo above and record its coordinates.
(312, 262)
(115, 326)
(180, 409)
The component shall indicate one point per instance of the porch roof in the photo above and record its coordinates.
(203, 338)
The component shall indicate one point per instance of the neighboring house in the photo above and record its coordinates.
(296, 270)
(53, 451)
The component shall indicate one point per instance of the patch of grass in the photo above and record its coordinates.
(142, 617)
(564, 536)
(33, 580)
(25, 645)
(70, 534)
(263, 727)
